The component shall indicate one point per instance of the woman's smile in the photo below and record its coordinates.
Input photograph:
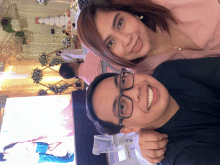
(124, 34)
(137, 46)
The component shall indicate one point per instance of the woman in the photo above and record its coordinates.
(183, 104)
(34, 152)
(147, 33)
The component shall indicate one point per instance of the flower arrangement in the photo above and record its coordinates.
(56, 61)
(74, 5)
(42, 92)
(58, 89)
(67, 13)
(43, 59)
(66, 42)
(37, 75)
(37, 20)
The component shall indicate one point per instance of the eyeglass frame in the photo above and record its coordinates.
(122, 95)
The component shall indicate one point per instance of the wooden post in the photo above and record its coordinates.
(53, 52)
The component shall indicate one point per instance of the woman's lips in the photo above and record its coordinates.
(137, 46)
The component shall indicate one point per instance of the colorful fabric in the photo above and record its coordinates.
(41, 147)
(50, 158)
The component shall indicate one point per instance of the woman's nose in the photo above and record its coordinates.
(124, 38)
(133, 93)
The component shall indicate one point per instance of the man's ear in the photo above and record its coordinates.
(129, 129)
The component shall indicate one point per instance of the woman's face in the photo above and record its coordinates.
(151, 101)
(124, 34)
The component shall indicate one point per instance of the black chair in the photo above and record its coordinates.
(84, 133)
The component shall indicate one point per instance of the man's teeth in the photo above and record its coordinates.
(150, 96)
(136, 45)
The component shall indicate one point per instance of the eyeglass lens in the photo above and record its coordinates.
(125, 103)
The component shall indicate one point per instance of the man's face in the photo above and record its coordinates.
(150, 98)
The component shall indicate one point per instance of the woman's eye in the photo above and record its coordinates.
(109, 44)
(120, 23)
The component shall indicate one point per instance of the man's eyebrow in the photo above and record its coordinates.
(113, 25)
(114, 110)
(116, 81)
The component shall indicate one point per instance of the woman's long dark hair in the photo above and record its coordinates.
(153, 15)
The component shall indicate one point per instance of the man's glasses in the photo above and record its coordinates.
(125, 103)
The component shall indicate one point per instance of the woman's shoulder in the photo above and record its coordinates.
(159, 2)
(198, 18)
(185, 2)
(91, 58)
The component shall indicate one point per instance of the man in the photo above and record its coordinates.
(70, 55)
(69, 70)
(64, 31)
(94, 66)
(88, 70)
(182, 100)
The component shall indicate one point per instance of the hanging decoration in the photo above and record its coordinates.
(74, 5)
(43, 59)
(42, 92)
(58, 89)
(59, 21)
(66, 43)
(56, 61)
(37, 75)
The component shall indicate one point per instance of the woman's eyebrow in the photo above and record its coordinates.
(114, 20)
(113, 25)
